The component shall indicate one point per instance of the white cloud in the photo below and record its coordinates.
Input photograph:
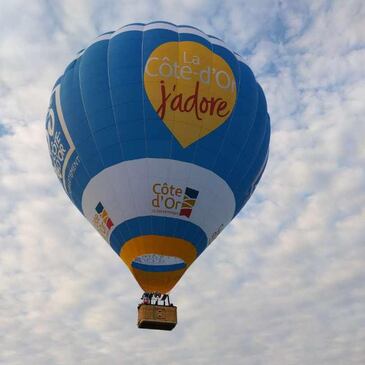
(282, 285)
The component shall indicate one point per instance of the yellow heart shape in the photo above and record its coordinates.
(192, 89)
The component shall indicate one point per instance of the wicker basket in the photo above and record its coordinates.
(157, 317)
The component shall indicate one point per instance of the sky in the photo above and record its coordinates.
(283, 284)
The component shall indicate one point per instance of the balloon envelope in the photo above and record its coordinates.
(159, 134)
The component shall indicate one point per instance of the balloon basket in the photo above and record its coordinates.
(157, 317)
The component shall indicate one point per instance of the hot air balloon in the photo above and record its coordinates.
(158, 134)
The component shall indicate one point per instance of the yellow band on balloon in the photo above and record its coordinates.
(161, 282)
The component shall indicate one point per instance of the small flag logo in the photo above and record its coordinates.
(190, 196)
(104, 215)
(101, 220)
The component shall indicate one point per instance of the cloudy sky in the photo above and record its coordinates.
(284, 284)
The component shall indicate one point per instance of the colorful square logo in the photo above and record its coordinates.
(190, 197)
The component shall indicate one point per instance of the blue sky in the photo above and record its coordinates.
(284, 284)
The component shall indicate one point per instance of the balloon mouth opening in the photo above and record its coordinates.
(158, 263)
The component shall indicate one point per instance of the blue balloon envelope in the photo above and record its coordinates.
(159, 134)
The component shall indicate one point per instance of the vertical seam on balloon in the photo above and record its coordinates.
(144, 117)
(233, 111)
(112, 183)
(118, 232)
(75, 151)
(233, 115)
(261, 170)
(199, 141)
(86, 115)
(87, 172)
(113, 111)
(111, 97)
(254, 158)
(87, 119)
(265, 138)
(195, 147)
(242, 149)
(171, 135)
(83, 164)
(230, 118)
(178, 143)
